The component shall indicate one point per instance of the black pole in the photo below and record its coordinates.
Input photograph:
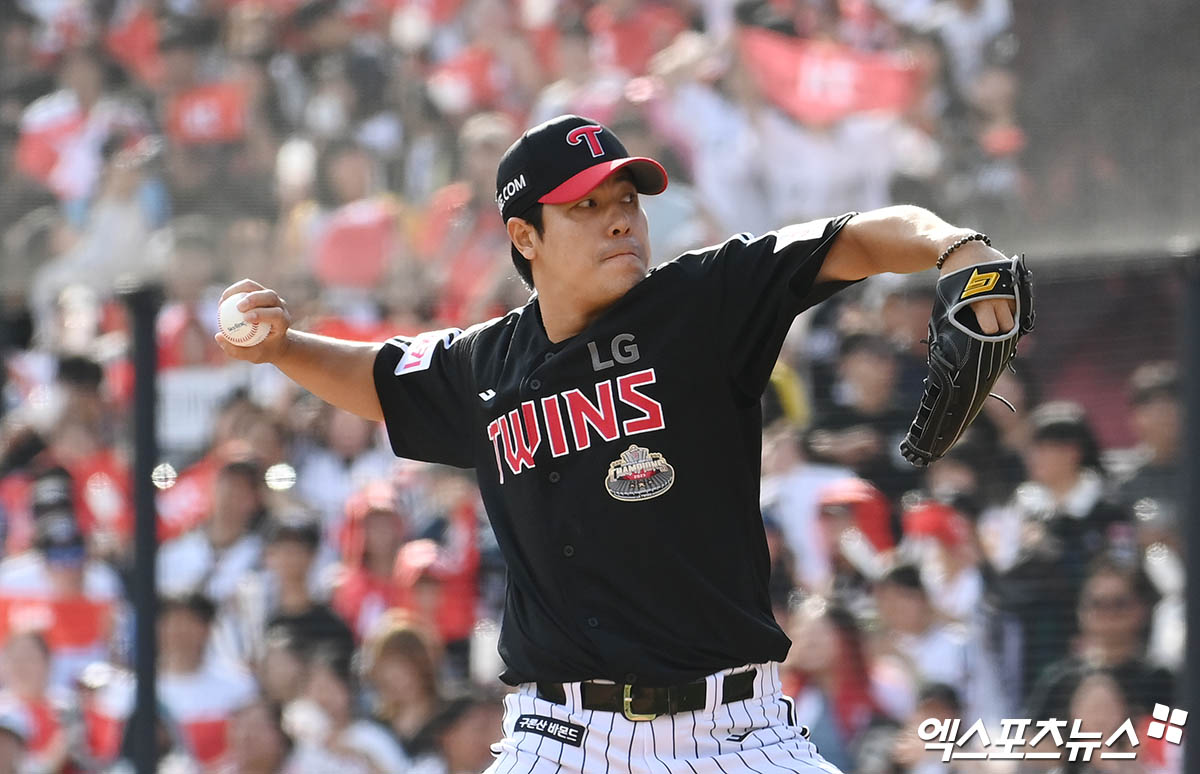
(143, 302)
(1189, 472)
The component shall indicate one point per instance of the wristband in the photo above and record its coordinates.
(976, 237)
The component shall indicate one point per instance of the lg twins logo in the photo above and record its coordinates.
(418, 351)
(518, 434)
(587, 134)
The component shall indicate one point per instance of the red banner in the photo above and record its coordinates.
(65, 623)
(820, 83)
(212, 113)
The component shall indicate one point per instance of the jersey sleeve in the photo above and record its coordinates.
(763, 283)
(422, 382)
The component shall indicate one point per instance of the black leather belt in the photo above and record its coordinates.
(638, 702)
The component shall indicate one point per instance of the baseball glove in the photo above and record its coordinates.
(963, 361)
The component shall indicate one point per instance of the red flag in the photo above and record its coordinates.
(821, 83)
(356, 244)
(132, 40)
(212, 113)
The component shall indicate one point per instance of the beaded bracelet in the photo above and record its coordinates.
(976, 237)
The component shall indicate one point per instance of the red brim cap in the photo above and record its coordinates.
(648, 175)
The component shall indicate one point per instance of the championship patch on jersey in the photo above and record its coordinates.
(558, 730)
(640, 474)
(418, 351)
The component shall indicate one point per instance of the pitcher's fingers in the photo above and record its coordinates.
(241, 286)
(986, 316)
(234, 351)
(275, 316)
(1004, 316)
(259, 299)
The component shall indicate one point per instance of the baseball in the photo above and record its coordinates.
(234, 327)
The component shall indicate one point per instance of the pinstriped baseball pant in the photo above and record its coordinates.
(756, 736)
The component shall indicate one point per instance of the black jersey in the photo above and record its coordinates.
(620, 467)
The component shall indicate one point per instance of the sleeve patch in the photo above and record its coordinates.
(418, 351)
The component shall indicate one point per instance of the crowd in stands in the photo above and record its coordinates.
(326, 607)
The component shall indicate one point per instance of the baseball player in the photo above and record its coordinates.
(614, 425)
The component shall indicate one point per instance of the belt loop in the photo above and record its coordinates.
(714, 692)
(574, 692)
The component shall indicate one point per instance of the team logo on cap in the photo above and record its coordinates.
(640, 474)
(587, 134)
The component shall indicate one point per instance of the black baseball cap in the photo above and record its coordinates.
(563, 159)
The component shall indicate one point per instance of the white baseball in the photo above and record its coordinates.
(234, 327)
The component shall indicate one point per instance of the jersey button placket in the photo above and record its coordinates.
(568, 550)
(593, 622)
(554, 477)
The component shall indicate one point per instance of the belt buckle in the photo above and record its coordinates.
(627, 706)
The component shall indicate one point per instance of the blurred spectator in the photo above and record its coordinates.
(196, 695)
(856, 534)
(111, 239)
(790, 489)
(69, 426)
(400, 665)
(63, 134)
(1068, 521)
(582, 88)
(213, 557)
(1157, 422)
(903, 302)
(74, 599)
(21, 79)
(371, 536)
(933, 651)
(326, 727)
(863, 430)
(781, 584)
(346, 454)
(828, 671)
(1097, 701)
(437, 575)
(14, 737)
(461, 238)
(626, 33)
(461, 736)
(352, 237)
(948, 559)
(1113, 613)
(185, 323)
(25, 671)
(731, 136)
(905, 752)
(681, 218)
(495, 70)
(281, 670)
(278, 599)
(966, 27)
(257, 742)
